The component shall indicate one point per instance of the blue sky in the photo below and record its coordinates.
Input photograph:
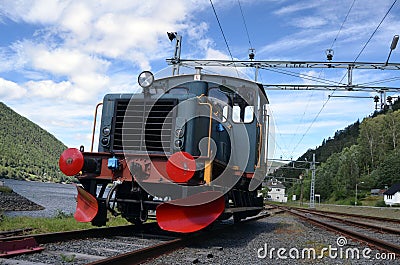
(59, 58)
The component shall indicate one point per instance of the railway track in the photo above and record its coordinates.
(120, 245)
(367, 217)
(81, 247)
(383, 234)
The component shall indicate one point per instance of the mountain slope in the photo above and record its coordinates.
(26, 150)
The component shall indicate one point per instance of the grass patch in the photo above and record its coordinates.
(61, 222)
(372, 200)
(291, 229)
(319, 248)
(5, 189)
(67, 258)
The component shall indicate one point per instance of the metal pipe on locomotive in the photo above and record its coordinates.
(190, 147)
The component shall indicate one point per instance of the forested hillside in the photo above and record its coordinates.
(374, 160)
(342, 138)
(26, 150)
(366, 154)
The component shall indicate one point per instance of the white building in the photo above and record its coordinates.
(276, 191)
(392, 195)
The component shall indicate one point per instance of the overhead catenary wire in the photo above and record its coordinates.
(223, 34)
(304, 76)
(386, 80)
(341, 26)
(319, 75)
(356, 58)
(251, 47)
(245, 25)
(373, 33)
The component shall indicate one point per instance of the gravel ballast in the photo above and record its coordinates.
(272, 240)
(246, 244)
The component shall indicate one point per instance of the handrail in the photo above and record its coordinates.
(94, 125)
(259, 146)
(209, 126)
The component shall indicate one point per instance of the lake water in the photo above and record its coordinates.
(53, 196)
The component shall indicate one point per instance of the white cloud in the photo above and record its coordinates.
(62, 61)
(77, 19)
(38, 11)
(216, 55)
(10, 90)
(48, 88)
(309, 22)
(299, 6)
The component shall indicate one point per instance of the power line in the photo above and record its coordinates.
(304, 76)
(361, 51)
(380, 81)
(222, 31)
(376, 29)
(333, 42)
(341, 26)
(323, 106)
(245, 26)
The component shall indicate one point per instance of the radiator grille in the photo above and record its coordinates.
(146, 125)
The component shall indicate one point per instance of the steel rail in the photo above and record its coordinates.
(384, 219)
(79, 234)
(352, 222)
(356, 235)
(145, 254)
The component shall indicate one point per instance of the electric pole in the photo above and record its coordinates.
(312, 188)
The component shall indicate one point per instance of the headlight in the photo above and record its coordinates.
(178, 144)
(179, 133)
(105, 141)
(145, 79)
(106, 131)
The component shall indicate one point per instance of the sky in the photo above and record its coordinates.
(58, 58)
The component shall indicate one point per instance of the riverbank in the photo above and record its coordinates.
(54, 197)
(12, 201)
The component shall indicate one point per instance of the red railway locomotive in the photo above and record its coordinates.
(190, 147)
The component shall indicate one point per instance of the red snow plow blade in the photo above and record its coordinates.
(87, 207)
(192, 213)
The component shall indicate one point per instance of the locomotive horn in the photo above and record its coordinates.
(190, 214)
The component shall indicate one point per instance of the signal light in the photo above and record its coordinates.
(71, 161)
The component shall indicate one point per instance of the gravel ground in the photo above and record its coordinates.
(54, 197)
(247, 244)
(15, 202)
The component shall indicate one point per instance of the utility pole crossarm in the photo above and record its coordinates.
(287, 64)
